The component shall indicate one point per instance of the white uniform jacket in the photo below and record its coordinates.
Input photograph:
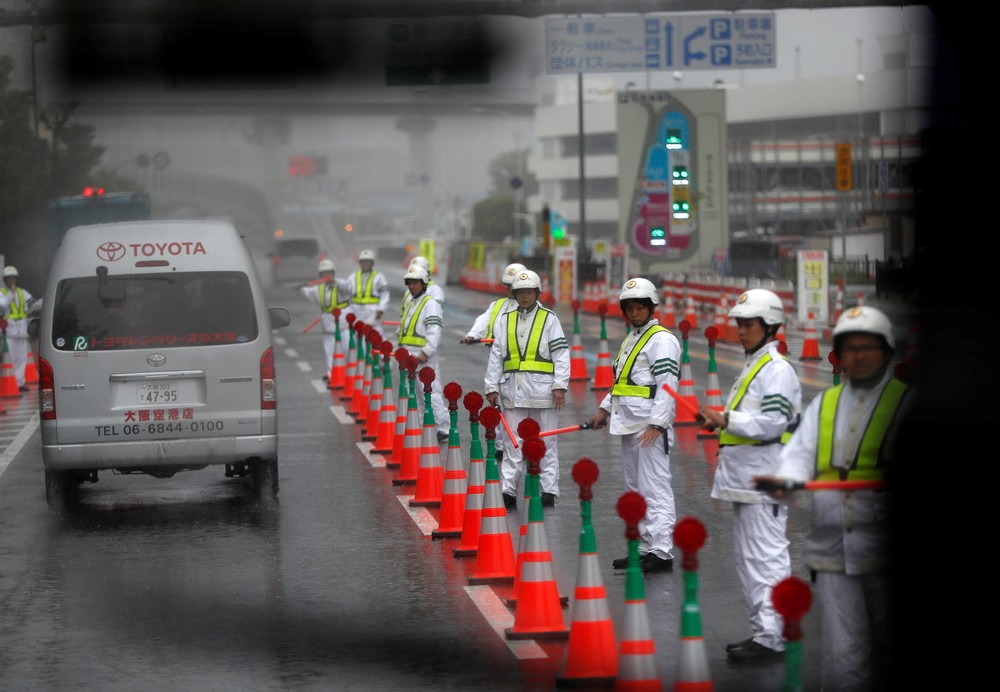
(480, 328)
(771, 403)
(657, 364)
(528, 389)
(850, 529)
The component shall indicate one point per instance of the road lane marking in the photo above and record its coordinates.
(22, 437)
(421, 516)
(500, 618)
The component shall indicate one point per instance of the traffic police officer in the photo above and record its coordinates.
(528, 373)
(330, 293)
(764, 402)
(642, 414)
(848, 433)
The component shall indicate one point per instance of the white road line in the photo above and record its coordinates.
(19, 441)
(291, 353)
(421, 516)
(341, 414)
(303, 366)
(375, 459)
(500, 618)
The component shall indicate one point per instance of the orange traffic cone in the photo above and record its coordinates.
(351, 366)
(539, 609)
(475, 484)
(604, 375)
(692, 659)
(8, 380)
(668, 316)
(637, 649)
(577, 363)
(810, 347)
(721, 317)
(592, 653)
(31, 370)
(545, 298)
(452, 514)
(338, 370)
(495, 552)
(402, 405)
(370, 430)
(713, 394)
(411, 441)
(430, 473)
(732, 329)
(861, 299)
(359, 405)
(690, 313)
(387, 415)
(685, 387)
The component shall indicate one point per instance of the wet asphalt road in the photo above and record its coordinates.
(185, 583)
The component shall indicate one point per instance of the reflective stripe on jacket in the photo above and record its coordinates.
(624, 386)
(16, 309)
(866, 464)
(529, 360)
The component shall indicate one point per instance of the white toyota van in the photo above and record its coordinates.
(155, 357)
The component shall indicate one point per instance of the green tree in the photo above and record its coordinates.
(509, 165)
(23, 179)
(493, 217)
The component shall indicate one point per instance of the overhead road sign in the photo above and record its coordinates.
(716, 41)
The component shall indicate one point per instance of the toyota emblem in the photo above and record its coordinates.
(156, 360)
(111, 251)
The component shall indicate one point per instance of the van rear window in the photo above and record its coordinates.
(298, 247)
(137, 311)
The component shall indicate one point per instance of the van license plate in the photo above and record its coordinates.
(157, 392)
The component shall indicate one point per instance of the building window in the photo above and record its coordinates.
(597, 188)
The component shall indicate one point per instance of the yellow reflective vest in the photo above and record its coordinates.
(623, 385)
(867, 462)
(528, 361)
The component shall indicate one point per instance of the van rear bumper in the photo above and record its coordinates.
(197, 451)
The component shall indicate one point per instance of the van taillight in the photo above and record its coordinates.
(46, 391)
(268, 388)
(275, 261)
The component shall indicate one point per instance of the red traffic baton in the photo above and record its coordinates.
(510, 433)
(767, 485)
(390, 323)
(683, 402)
(312, 324)
(486, 341)
(559, 431)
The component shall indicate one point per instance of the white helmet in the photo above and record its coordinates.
(367, 255)
(526, 279)
(510, 272)
(867, 320)
(326, 265)
(417, 272)
(759, 302)
(639, 289)
(423, 262)
(9, 271)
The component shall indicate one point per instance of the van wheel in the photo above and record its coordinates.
(60, 490)
(264, 476)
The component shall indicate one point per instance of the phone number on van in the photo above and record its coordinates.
(159, 428)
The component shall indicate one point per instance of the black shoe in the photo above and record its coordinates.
(442, 436)
(23, 388)
(739, 645)
(509, 501)
(622, 562)
(499, 456)
(548, 500)
(755, 653)
(654, 563)
(326, 378)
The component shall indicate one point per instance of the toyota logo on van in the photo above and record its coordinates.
(111, 251)
(156, 360)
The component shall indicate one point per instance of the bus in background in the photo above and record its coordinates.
(94, 205)
(763, 257)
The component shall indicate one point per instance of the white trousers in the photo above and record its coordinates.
(854, 613)
(514, 466)
(761, 550)
(18, 347)
(647, 472)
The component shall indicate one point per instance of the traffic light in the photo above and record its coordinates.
(679, 176)
(673, 139)
(557, 222)
(657, 236)
(681, 209)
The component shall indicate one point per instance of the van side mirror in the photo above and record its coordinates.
(34, 327)
(280, 317)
